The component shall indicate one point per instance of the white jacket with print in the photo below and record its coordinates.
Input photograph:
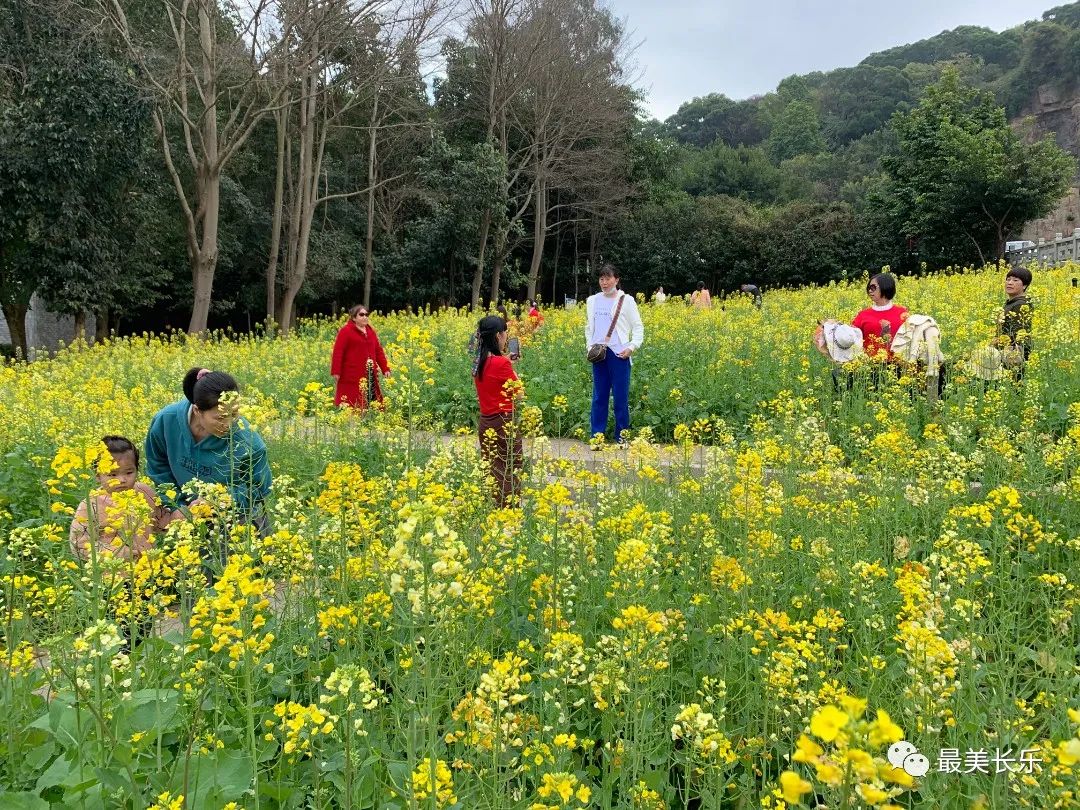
(628, 328)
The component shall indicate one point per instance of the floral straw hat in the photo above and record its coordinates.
(843, 342)
(987, 363)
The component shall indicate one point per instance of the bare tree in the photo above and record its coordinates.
(342, 61)
(208, 78)
(400, 125)
(546, 81)
(575, 117)
(501, 55)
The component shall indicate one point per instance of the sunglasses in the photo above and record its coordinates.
(872, 287)
(361, 314)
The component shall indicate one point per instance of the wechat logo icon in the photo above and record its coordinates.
(904, 755)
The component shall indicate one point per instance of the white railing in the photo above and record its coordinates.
(1053, 252)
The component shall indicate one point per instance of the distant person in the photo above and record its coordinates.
(659, 296)
(613, 332)
(535, 316)
(753, 291)
(700, 298)
(880, 322)
(1014, 327)
(356, 357)
(497, 389)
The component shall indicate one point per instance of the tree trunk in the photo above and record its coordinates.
(80, 326)
(202, 277)
(478, 274)
(539, 234)
(594, 238)
(369, 237)
(101, 325)
(978, 249)
(204, 259)
(287, 308)
(15, 315)
(305, 191)
(576, 258)
(555, 267)
(497, 259)
(282, 118)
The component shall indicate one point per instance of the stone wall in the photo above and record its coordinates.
(46, 330)
(1056, 112)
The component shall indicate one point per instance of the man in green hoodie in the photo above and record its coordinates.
(1014, 327)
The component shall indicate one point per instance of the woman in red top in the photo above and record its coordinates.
(881, 321)
(497, 387)
(357, 353)
(535, 316)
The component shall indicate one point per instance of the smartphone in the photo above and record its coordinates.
(513, 348)
(1074, 282)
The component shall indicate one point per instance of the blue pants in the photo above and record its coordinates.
(611, 377)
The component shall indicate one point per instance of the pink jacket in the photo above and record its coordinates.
(93, 518)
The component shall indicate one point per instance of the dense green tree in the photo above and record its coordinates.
(72, 138)
(961, 174)
(437, 256)
(702, 121)
(1068, 14)
(1000, 49)
(796, 131)
(859, 100)
(744, 172)
(809, 243)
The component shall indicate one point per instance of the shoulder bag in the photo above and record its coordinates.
(598, 351)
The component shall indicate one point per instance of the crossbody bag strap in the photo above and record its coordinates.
(614, 318)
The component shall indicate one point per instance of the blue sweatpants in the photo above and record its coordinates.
(611, 378)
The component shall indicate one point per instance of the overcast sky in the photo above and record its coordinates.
(745, 47)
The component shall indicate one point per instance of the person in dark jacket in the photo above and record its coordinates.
(753, 291)
(1014, 327)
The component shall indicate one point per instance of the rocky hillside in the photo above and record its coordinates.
(1057, 113)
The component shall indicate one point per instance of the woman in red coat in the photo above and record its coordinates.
(357, 353)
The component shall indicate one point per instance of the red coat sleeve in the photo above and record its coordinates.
(337, 357)
(380, 355)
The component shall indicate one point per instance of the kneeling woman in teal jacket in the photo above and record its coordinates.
(202, 437)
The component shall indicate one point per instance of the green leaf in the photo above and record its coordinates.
(37, 756)
(217, 778)
(22, 801)
(60, 721)
(279, 791)
(151, 712)
(65, 771)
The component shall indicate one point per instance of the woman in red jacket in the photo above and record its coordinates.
(357, 353)
(497, 389)
(881, 321)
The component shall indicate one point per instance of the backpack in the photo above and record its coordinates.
(918, 342)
